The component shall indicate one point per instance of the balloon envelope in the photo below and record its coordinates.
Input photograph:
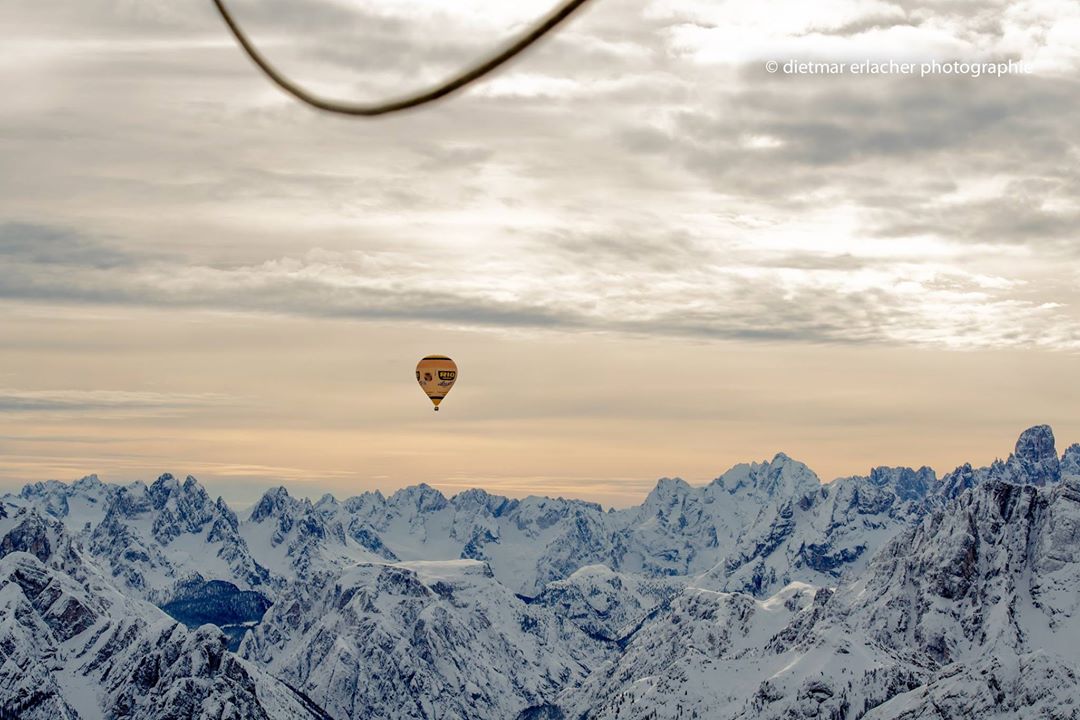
(436, 375)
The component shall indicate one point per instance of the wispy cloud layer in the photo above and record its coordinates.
(105, 402)
(638, 203)
(614, 282)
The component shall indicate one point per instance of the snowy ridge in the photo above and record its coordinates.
(79, 504)
(763, 594)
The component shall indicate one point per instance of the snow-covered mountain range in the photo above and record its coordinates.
(765, 593)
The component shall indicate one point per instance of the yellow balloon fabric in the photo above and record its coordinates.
(436, 375)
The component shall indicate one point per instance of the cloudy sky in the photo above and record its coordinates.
(649, 255)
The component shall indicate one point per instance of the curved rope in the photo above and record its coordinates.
(454, 84)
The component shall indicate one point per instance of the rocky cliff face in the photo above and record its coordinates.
(153, 538)
(420, 640)
(607, 605)
(1070, 461)
(969, 614)
(78, 505)
(73, 646)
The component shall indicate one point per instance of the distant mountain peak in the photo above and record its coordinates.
(1034, 461)
(273, 502)
(89, 481)
(1037, 455)
(781, 475)
(909, 484)
(671, 486)
(1070, 461)
(477, 499)
(165, 480)
(423, 497)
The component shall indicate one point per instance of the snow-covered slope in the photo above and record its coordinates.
(81, 505)
(526, 542)
(295, 538)
(700, 658)
(1009, 687)
(973, 613)
(72, 646)
(421, 640)
(1070, 461)
(155, 537)
(816, 537)
(606, 604)
(763, 594)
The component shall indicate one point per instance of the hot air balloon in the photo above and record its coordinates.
(436, 375)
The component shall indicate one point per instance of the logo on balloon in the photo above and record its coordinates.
(447, 374)
(427, 377)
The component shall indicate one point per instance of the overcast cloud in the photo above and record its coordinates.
(640, 173)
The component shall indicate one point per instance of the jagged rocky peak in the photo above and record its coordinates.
(1070, 461)
(476, 500)
(370, 501)
(85, 497)
(176, 507)
(153, 536)
(908, 483)
(226, 512)
(420, 498)
(418, 640)
(41, 488)
(1034, 461)
(88, 483)
(273, 503)
(670, 487)
(668, 494)
(958, 481)
(74, 648)
(181, 507)
(51, 496)
(782, 476)
(606, 604)
(544, 512)
(164, 485)
(998, 566)
(167, 488)
(129, 501)
(1036, 456)
(33, 534)
(326, 503)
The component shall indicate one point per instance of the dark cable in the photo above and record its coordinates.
(452, 85)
